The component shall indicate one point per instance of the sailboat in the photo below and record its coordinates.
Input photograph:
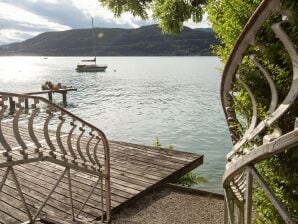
(91, 65)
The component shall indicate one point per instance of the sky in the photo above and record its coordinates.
(24, 19)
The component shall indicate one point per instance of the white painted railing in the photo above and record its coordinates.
(246, 153)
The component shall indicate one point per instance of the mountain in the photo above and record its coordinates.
(143, 41)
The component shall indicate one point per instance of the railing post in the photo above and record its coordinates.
(248, 197)
(26, 104)
(12, 105)
(50, 94)
(64, 99)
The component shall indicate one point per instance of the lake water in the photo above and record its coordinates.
(140, 98)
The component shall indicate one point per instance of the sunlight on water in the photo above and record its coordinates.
(20, 69)
(138, 99)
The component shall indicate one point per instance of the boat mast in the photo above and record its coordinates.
(93, 37)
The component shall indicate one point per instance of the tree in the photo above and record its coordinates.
(228, 18)
(171, 14)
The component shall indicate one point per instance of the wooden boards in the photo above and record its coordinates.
(135, 171)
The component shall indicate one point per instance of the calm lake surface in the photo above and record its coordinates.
(138, 99)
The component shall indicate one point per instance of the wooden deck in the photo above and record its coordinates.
(135, 170)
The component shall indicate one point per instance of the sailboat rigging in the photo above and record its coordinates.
(91, 66)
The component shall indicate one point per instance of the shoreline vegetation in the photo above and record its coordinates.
(143, 41)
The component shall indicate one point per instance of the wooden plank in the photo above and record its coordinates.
(11, 214)
(49, 175)
(51, 91)
(35, 195)
(156, 173)
(60, 195)
(170, 178)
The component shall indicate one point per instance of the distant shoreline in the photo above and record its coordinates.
(143, 41)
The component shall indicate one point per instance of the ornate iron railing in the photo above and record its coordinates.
(246, 153)
(43, 131)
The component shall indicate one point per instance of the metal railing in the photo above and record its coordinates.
(246, 153)
(34, 129)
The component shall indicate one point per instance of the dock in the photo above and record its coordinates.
(56, 167)
(135, 171)
(48, 92)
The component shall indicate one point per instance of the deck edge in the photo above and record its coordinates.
(170, 178)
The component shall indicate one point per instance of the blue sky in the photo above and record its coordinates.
(23, 19)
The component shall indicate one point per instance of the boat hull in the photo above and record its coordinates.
(91, 68)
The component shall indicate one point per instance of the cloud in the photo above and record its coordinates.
(27, 19)
(13, 35)
(23, 19)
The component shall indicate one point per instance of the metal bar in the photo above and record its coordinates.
(64, 99)
(95, 153)
(70, 194)
(274, 94)
(230, 207)
(79, 144)
(50, 96)
(16, 130)
(58, 135)
(88, 150)
(51, 104)
(248, 197)
(107, 178)
(49, 195)
(72, 166)
(101, 197)
(4, 179)
(26, 104)
(3, 142)
(12, 105)
(20, 193)
(240, 214)
(69, 140)
(46, 131)
(31, 129)
(19, 162)
(271, 196)
(226, 220)
(91, 192)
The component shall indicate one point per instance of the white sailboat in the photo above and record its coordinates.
(91, 65)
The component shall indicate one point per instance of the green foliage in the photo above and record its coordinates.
(228, 18)
(171, 14)
(282, 175)
(191, 178)
(157, 144)
(136, 7)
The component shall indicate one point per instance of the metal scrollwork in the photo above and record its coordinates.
(43, 131)
(245, 154)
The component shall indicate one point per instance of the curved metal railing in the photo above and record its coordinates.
(35, 129)
(246, 153)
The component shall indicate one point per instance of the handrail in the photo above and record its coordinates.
(57, 146)
(53, 105)
(241, 160)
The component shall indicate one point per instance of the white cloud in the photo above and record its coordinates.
(92, 8)
(27, 19)
(13, 35)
